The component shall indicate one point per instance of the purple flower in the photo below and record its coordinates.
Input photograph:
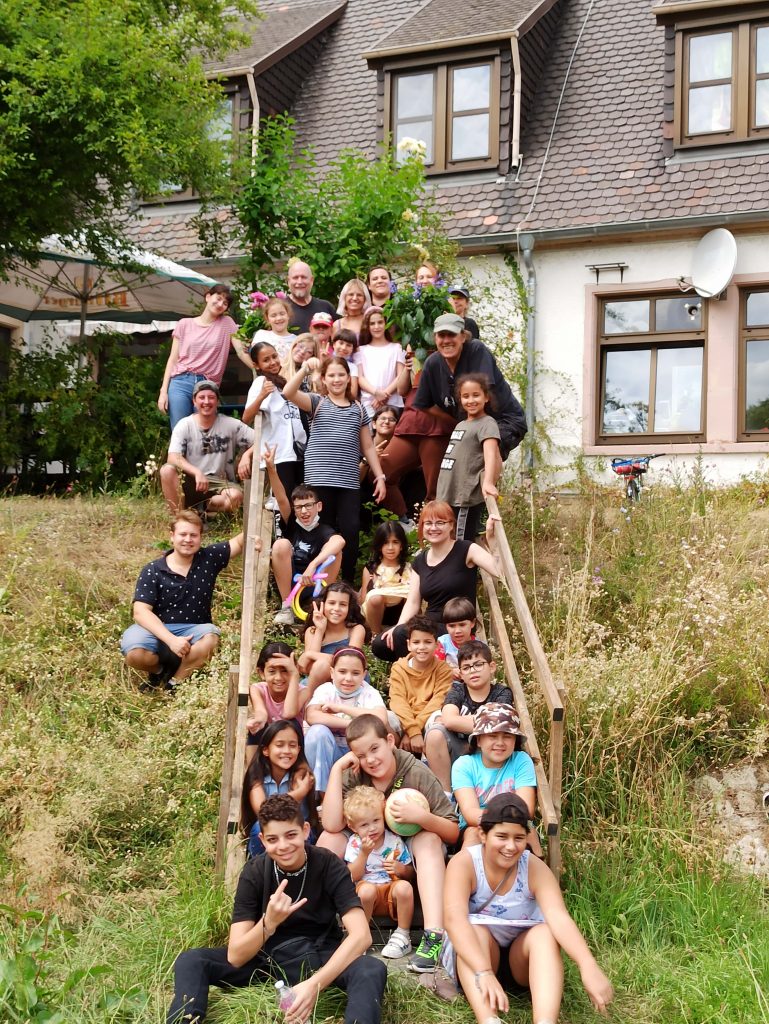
(439, 282)
(417, 290)
(393, 287)
(258, 299)
(280, 295)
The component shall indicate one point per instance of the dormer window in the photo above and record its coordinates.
(725, 84)
(452, 107)
(721, 72)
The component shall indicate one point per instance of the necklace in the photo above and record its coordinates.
(292, 874)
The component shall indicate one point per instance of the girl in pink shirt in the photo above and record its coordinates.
(199, 351)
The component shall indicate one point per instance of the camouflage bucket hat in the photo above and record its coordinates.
(496, 718)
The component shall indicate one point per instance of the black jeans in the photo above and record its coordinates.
(469, 519)
(341, 509)
(196, 969)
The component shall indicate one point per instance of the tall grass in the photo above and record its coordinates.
(108, 795)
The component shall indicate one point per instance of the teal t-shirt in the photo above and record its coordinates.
(469, 772)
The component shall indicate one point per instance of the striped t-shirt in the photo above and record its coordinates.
(333, 453)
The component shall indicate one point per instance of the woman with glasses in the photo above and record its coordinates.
(447, 568)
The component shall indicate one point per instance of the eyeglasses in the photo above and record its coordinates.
(386, 419)
(475, 666)
(439, 524)
(305, 506)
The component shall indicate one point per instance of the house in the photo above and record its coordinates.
(598, 142)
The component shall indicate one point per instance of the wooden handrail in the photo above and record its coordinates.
(553, 693)
(230, 848)
(497, 622)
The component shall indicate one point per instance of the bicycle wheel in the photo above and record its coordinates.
(633, 489)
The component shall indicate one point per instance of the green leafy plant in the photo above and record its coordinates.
(412, 311)
(341, 219)
(52, 410)
(29, 993)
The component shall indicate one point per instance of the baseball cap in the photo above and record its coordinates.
(323, 319)
(458, 288)
(496, 718)
(206, 385)
(449, 322)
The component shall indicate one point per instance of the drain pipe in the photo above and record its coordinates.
(526, 243)
(255, 115)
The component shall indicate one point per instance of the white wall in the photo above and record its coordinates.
(565, 328)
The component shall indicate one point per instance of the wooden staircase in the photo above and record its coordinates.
(230, 846)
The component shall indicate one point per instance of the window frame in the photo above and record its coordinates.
(743, 81)
(747, 334)
(442, 115)
(231, 95)
(652, 340)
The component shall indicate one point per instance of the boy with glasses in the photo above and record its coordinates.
(306, 542)
(448, 737)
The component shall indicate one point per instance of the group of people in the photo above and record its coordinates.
(352, 802)
(317, 393)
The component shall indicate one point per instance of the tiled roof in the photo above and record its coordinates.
(441, 21)
(337, 107)
(168, 231)
(284, 27)
(606, 163)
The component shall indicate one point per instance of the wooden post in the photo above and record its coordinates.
(230, 848)
(227, 763)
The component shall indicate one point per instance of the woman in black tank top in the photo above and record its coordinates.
(447, 568)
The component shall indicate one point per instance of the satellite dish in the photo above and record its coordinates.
(713, 262)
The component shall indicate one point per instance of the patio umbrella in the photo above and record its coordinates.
(70, 283)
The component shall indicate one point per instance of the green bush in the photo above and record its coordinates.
(52, 410)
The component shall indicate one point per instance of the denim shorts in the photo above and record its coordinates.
(137, 636)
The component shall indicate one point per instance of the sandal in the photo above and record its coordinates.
(441, 984)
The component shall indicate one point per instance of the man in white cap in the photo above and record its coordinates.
(456, 355)
(204, 447)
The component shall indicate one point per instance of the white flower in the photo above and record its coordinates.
(414, 147)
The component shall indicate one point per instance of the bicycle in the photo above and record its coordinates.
(632, 472)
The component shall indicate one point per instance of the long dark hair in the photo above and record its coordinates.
(354, 615)
(260, 767)
(365, 332)
(277, 380)
(382, 534)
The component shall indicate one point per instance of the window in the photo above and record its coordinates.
(452, 108)
(754, 365)
(222, 127)
(651, 355)
(722, 84)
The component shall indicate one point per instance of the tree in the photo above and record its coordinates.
(357, 213)
(102, 101)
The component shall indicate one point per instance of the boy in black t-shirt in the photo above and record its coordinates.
(448, 738)
(306, 542)
(284, 927)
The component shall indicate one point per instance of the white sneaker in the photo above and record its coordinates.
(397, 946)
(272, 504)
(285, 617)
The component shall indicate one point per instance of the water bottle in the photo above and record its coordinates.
(285, 995)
